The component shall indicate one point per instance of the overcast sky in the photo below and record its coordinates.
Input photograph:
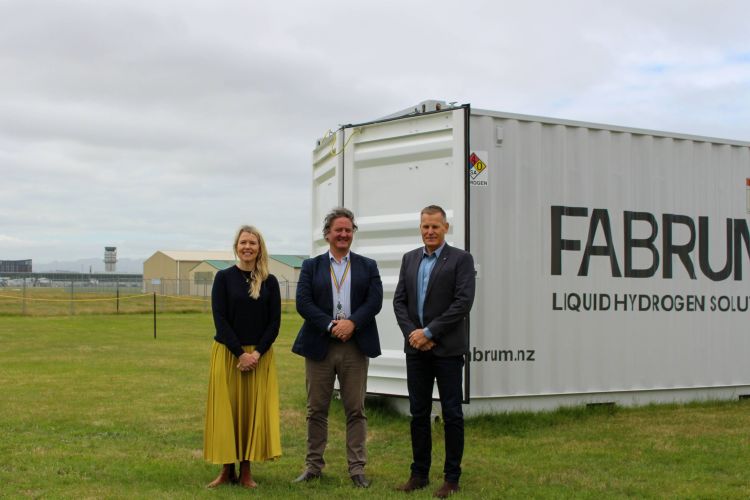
(166, 124)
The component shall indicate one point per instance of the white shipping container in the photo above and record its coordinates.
(612, 263)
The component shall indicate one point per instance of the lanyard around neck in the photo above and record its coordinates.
(336, 282)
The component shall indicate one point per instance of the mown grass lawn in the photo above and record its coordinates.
(95, 407)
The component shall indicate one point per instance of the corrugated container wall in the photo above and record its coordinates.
(612, 263)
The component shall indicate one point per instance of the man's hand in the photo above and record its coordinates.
(343, 329)
(418, 340)
(429, 345)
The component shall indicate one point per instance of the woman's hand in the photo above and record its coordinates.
(248, 361)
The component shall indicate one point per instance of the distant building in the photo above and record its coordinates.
(186, 273)
(168, 271)
(286, 268)
(202, 276)
(110, 259)
(15, 266)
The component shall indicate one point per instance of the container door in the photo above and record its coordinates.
(392, 169)
(327, 188)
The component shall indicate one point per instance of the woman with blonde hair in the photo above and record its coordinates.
(242, 414)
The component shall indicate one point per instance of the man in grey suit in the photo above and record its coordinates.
(432, 301)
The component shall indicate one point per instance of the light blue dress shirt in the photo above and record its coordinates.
(426, 265)
(345, 294)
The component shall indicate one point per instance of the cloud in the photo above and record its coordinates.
(167, 124)
(11, 240)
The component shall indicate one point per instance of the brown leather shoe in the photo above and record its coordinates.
(446, 490)
(414, 483)
(226, 476)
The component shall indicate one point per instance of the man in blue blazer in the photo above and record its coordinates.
(338, 295)
(432, 301)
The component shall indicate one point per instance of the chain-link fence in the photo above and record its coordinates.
(47, 294)
(52, 294)
(202, 288)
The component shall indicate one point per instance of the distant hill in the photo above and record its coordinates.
(94, 265)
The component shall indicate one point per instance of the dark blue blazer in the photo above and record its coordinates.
(315, 305)
(448, 300)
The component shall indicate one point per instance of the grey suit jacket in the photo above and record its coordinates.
(450, 295)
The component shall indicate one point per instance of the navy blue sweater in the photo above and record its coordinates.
(241, 320)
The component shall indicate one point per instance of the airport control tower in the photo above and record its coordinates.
(110, 259)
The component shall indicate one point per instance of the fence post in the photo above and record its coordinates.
(154, 314)
(72, 307)
(23, 293)
(117, 286)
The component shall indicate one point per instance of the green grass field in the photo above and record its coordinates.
(94, 407)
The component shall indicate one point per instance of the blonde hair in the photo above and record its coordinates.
(260, 273)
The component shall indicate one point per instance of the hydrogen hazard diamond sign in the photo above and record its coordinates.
(478, 169)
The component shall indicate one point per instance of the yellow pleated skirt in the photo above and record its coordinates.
(242, 413)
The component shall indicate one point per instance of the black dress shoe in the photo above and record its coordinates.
(360, 481)
(414, 483)
(307, 476)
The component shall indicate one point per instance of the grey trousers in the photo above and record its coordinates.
(345, 361)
